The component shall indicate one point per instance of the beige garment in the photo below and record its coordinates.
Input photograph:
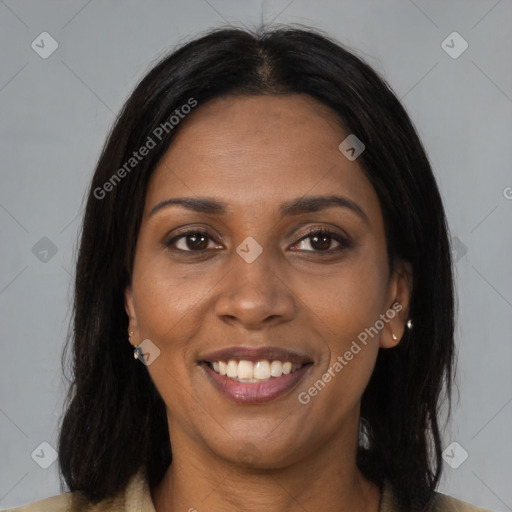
(137, 498)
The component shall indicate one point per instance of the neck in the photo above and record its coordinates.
(327, 479)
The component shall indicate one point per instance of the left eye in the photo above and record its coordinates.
(321, 240)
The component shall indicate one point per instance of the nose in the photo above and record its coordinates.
(255, 295)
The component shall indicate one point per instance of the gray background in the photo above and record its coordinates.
(56, 113)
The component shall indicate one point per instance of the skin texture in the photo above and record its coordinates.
(254, 153)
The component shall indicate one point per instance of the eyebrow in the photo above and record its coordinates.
(294, 207)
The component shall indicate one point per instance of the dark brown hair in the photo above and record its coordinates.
(115, 423)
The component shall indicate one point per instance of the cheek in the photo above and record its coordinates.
(345, 308)
(167, 309)
(167, 301)
(349, 357)
(350, 299)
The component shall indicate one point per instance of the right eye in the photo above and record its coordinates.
(193, 240)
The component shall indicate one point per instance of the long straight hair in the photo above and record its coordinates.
(115, 422)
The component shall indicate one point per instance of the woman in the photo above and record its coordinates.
(264, 228)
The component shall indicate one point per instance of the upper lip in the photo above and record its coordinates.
(255, 354)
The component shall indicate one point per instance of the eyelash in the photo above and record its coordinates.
(344, 241)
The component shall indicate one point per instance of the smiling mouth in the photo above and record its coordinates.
(252, 382)
(254, 365)
(254, 371)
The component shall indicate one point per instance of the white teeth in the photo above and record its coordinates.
(232, 370)
(245, 370)
(276, 368)
(248, 371)
(262, 370)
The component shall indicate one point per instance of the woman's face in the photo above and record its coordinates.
(235, 277)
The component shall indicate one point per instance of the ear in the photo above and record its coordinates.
(129, 306)
(400, 289)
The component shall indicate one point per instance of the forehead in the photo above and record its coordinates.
(259, 150)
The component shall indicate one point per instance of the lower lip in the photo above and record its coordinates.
(254, 392)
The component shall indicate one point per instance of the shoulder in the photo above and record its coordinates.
(60, 503)
(440, 503)
(136, 497)
(443, 503)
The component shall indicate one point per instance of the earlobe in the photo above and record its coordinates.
(401, 289)
(394, 329)
(129, 307)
